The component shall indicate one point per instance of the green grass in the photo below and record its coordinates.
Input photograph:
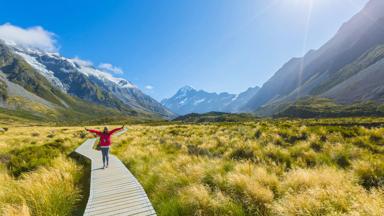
(313, 107)
(29, 158)
(264, 167)
(98, 107)
(38, 174)
(331, 166)
(215, 117)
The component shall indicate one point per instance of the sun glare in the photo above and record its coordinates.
(303, 3)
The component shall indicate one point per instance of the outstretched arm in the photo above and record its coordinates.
(115, 130)
(93, 131)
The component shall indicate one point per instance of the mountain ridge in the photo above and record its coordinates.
(189, 100)
(302, 77)
(65, 83)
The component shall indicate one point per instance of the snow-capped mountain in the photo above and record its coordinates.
(189, 100)
(81, 79)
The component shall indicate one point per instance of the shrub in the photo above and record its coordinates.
(242, 153)
(362, 143)
(280, 157)
(258, 134)
(29, 158)
(310, 158)
(346, 132)
(370, 173)
(316, 146)
(376, 137)
(82, 134)
(197, 151)
(292, 137)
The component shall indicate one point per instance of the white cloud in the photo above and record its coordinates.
(110, 68)
(82, 62)
(149, 87)
(34, 37)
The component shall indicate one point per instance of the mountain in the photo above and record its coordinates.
(215, 117)
(241, 99)
(189, 100)
(322, 107)
(50, 82)
(347, 69)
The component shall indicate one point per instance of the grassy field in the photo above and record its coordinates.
(282, 167)
(264, 167)
(37, 175)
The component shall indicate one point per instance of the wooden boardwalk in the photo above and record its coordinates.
(114, 190)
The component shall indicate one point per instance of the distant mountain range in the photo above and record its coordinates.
(45, 84)
(189, 100)
(349, 68)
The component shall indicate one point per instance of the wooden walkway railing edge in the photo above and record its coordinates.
(114, 190)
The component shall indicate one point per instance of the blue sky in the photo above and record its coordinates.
(215, 45)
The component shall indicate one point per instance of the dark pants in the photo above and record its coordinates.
(105, 155)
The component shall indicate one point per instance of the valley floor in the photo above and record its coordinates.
(263, 167)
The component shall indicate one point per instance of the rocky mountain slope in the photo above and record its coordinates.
(189, 100)
(30, 76)
(347, 69)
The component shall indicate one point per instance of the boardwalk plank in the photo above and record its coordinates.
(120, 202)
(114, 190)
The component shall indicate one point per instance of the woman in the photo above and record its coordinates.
(105, 142)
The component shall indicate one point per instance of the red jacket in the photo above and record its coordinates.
(105, 138)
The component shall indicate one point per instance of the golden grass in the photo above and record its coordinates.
(258, 168)
(47, 191)
(50, 189)
(21, 102)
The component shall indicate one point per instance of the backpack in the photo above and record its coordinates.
(98, 147)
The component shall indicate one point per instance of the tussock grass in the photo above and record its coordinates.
(270, 167)
(47, 191)
(265, 167)
(36, 175)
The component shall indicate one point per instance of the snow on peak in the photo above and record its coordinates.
(199, 101)
(236, 96)
(30, 55)
(186, 89)
(31, 60)
(87, 68)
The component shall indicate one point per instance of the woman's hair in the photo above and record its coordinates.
(105, 130)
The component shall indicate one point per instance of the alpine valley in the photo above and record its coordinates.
(46, 86)
(344, 77)
(189, 100)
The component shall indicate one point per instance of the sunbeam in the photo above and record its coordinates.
(305, 40)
